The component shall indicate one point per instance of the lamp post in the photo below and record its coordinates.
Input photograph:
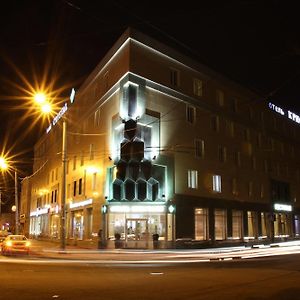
(4, 166)
(63, 188)
(45, 108)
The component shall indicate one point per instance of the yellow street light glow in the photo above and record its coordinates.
(3, 163)
(40, 98)
(46, 108)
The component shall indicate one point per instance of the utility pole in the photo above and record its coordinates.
(16, 204)
(63, 188)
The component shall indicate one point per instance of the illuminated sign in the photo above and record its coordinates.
(137, 208)
(292, 116)
(57, 117)
(282, 207)
(82, 203)
(72, 96)
(41, 211)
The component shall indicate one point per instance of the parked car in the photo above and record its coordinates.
(15, 244)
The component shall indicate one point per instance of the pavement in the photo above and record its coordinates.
(89, 252)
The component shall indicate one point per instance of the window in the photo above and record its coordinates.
(247, 135)
(81, 158)
(74, 162)
(199, 148)
(237, 158)
(55, 196)
(52, 196)
(234, 187)
(222, 153)
(250, 189)
(258, 140)
(262, 191)
(198, 87)
(235, 105)
(97, 118)
(192, 179)
(52, 176)
(217, 183)
(80, 186)
(201, 224)
(74, 188)
(230, 128)
(220, 224)
(174, 77)
(254, 163)
(237, 224)
(92, 151)
(220, 97)
(190, 114)
(68, 190)
(252, 224)
(94, 181)
(215, 123)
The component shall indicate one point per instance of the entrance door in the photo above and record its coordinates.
(137, 233)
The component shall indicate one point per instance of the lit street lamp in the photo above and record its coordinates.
(4, 166)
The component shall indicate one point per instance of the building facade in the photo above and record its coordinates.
(160, 144)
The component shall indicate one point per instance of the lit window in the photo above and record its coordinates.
(198, 87)
(94, 181)
(192, 179)
(217, 187)
(97, 118)
(74, 162)
(92, 151)
(82, 158)
(190, 114)
(199, 148)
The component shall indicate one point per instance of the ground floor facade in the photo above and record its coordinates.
(188, 221)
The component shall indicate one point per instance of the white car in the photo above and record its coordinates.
(15, 244)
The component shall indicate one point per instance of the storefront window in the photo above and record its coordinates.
(54, 226)
(136, 226)
(297, 225)
(237, 223)
(252, 224)
(282, 226)
(220, 224)
(263, 224)
(201, 224)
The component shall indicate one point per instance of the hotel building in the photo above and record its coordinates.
(159, 144)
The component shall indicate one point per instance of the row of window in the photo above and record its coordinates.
(279, 226)
(220, 101)
(192, 183)
(230, 128)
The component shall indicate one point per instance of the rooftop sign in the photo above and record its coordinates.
(287, 113)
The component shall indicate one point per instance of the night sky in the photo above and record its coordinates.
(256, 43)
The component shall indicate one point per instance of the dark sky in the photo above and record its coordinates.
(256, 43)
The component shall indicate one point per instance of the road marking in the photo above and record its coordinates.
(156, 273)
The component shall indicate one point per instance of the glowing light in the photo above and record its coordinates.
(82, 203)
(3, 164)
(137, 208)
(92, 170)
(282, 207)
(46, 108)
(40, 98)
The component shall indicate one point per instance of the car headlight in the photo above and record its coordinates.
(9, 243)
(27, 244)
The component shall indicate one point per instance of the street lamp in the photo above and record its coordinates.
(5, 166)
(45, 107)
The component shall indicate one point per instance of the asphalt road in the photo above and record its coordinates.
(267, 278)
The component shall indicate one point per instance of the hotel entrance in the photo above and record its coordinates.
(137, 233)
